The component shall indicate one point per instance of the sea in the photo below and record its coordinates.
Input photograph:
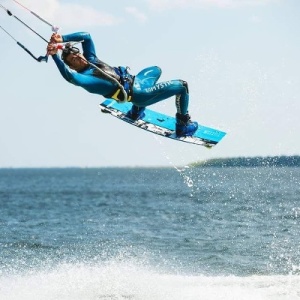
(173, 233)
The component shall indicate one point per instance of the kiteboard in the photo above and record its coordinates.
(162, 124)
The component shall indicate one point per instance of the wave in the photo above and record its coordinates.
(120, 280)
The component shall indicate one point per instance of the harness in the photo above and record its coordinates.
(116, 75)
(126, 80)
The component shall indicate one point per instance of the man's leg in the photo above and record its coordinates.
(184, 125)
(161, 91)
(147, 78)
(144, 79)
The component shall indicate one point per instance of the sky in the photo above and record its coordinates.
(240, 58)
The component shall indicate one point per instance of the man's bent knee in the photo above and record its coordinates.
(185, 84)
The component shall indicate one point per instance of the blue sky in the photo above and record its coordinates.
(240, 58)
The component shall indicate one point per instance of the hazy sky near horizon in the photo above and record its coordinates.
(240, 58)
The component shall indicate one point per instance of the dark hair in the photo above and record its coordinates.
(68, 49)
(64, 55)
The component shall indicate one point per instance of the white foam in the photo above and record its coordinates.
(116, 280)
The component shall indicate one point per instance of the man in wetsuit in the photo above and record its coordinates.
(95, 76)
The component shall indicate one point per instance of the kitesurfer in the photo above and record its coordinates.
(87, 71)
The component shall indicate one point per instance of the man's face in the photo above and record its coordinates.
(76, 62)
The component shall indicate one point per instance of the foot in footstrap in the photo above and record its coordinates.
(184, 125)
(136, 113)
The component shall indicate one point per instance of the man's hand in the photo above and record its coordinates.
(51, 49)
(56, 38)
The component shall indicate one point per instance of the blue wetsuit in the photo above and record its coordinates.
(145, 89)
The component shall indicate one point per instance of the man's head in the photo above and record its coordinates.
(73, 58)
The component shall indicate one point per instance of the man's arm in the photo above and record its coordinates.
(90, 83)
(88, 46)
(63, 69)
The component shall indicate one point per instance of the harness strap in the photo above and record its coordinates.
(117, 75)
(126, 80)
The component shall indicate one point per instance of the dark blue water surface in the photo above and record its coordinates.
(210, 222)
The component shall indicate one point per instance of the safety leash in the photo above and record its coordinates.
(39, 59)
(12, 15)
(69, 47)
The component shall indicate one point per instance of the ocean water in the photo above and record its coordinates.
(150, 233)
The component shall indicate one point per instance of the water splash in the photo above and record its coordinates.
(120, 281)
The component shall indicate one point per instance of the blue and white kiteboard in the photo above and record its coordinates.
(162, 124)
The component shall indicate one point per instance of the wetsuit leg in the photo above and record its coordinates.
(150, 95)
(182, 99)
(147, 78)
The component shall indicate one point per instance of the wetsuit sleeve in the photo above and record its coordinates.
(63, 69)
(90, 83)
(71, 76)
(88, 46)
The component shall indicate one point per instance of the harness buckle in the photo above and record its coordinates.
(124, 92)
(126, 79)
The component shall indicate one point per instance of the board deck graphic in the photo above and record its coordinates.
(162, 124)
